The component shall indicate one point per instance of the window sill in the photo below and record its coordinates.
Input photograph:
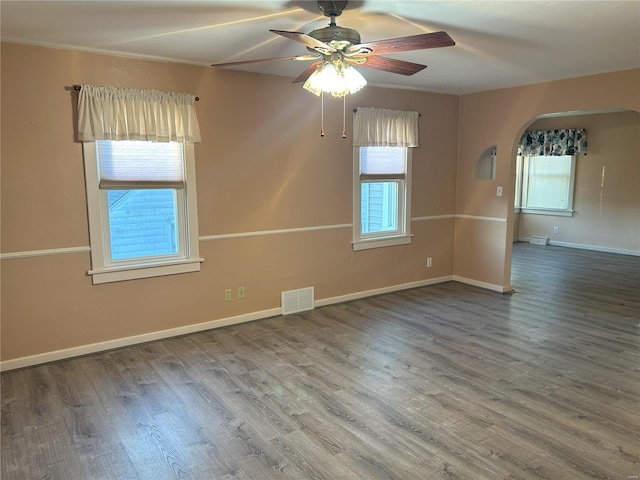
(365, 244)
(132, 272)
(547, 211)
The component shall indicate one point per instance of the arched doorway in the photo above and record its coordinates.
(606, 192)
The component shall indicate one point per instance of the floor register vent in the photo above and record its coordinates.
(539, 240)
(295, 301)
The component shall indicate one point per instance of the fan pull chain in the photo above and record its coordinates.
(322, 114)
(344, 107)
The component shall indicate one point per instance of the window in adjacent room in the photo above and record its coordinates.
(546, 169)
(140, 179)
(545, 184)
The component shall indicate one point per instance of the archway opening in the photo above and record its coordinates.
(606, 193)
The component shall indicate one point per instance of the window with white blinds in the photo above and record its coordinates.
(382, 160)
(139, 164)
(381, 192)
(545, 184)
(142, 209)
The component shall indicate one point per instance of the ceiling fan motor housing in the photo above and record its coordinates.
(338, 37)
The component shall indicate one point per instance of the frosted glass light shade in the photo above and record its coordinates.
(334, 79)
(353, 79)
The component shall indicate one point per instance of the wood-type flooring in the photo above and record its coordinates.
(447, 381)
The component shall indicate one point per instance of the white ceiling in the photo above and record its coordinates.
(498, 43)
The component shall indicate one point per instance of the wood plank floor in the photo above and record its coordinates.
(446, 381)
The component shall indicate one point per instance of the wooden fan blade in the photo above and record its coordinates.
(391, 65)
(307, 41)
(307, 73)
(246, 62)
(405, 44)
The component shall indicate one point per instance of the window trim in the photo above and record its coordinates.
(103, 271)
(382, 239)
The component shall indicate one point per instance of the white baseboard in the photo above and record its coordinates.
(67, 353)
(488, 286)
(379, 291)
(581, 246)
(595, 248)
(56, 355)
(134, 340)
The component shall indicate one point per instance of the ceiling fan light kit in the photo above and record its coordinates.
(334, 78)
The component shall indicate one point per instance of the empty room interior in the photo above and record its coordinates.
(320, 240)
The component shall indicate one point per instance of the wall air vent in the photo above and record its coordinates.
(539, 240)
(295, 301)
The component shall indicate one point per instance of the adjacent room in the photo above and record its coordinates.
(320, 240)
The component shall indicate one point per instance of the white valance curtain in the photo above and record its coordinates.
(110, 113)
(379, 127)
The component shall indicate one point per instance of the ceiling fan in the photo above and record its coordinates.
(340, 48)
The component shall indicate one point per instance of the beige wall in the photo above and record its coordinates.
(607, 188)
(262, 166)
(498, 118)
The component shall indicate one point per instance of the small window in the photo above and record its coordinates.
(547, 184)
(142, 209)
(381, 193)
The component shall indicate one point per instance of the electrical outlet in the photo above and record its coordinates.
(240, 292)
(429, 262)
(556, 229)
(227, 295)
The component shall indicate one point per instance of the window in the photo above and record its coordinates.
(142, 209)
(381, 192)
(546, 184)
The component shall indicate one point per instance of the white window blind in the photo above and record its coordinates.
(131, 164)
(549, 182)
(382, 161)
